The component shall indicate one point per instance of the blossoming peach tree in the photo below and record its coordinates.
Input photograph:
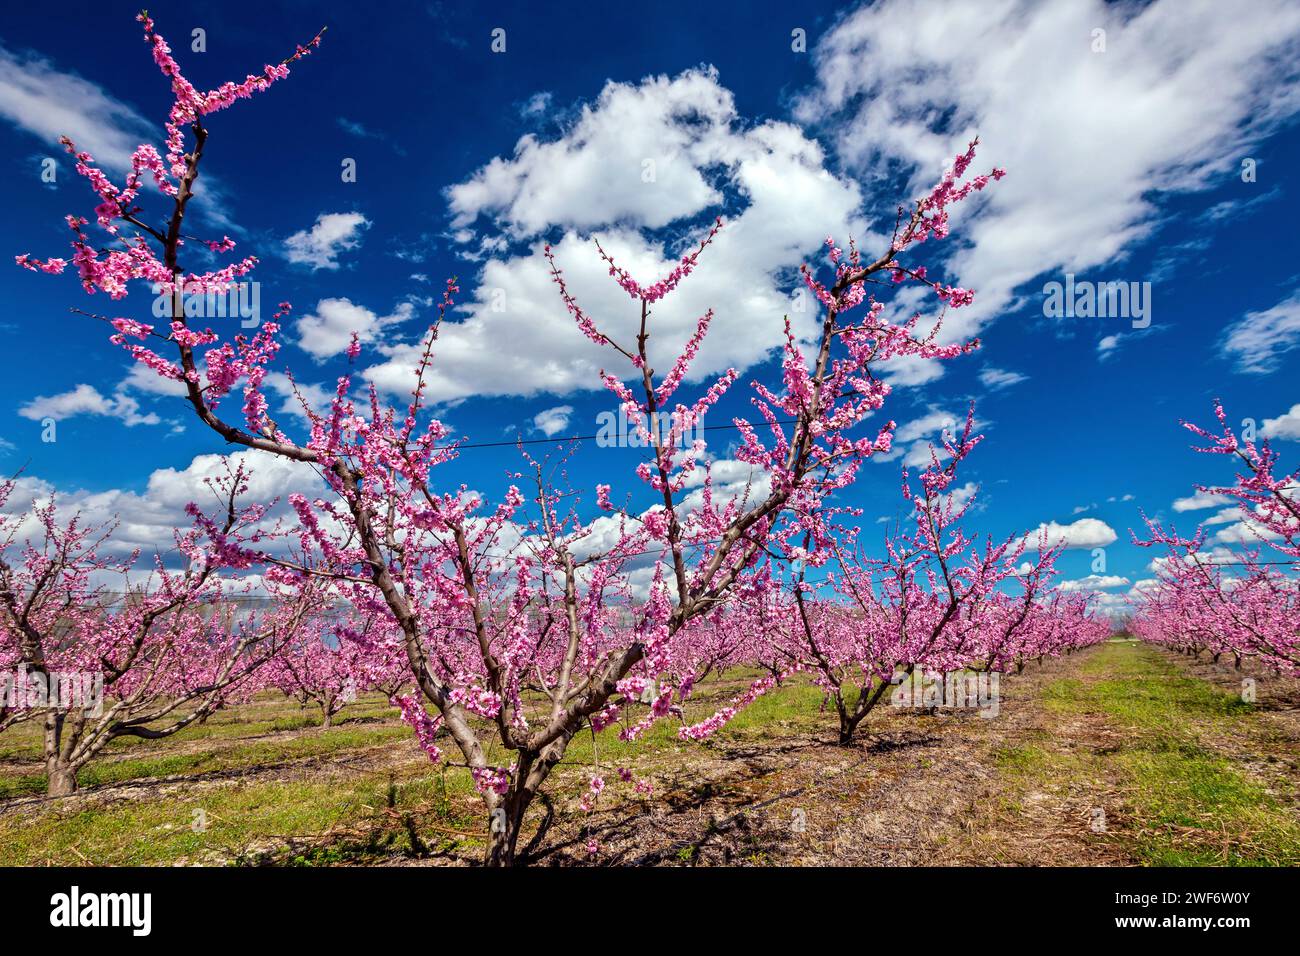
(335, 658)
(1244, 603)
(519, 621)
(937, 602)
(94, 664)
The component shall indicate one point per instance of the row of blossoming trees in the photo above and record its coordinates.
(515, 625)
(1243, 603)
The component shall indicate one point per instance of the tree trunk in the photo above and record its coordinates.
(849, 723)
(62, 782)
(506, 820)
(504, 826)
(846, 730)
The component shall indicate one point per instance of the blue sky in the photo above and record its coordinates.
(1124, 163)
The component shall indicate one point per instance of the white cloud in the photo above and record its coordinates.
(87, 400)
(48, 103)
(1084, 533)
(327, 331)
(37, 97)
(1202, 499)
(333, 233)
(732, 480)
(1216, 555)
(146, 520)
(1088, 139)
(552, 421)
(963, 493)
(317, 397)
(536, 105)
(141, 378)
(596, 174)
(996, 378)
(1094, 582)
(515, 337)
(1223, 517)
(1257, 341)
(914, 439)
(1285, 426)
(1246, 532)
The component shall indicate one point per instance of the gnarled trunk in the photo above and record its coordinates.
(848, 725)
(504, 826)
(506, 819)
(62, 781)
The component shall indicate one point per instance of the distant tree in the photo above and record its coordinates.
(147, 660)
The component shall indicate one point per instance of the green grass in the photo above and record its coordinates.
(250, 821)
(220, 758)
(1188, 803)
(165, 831)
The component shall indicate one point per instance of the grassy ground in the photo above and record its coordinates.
(1118, 755)
(1201, 778)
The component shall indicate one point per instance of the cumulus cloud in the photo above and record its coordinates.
(146, 520)
(732, 481)
(664, 152)
(293, 393)
(1094, 582)
(86, 400)
(1088, 139)
(1222, 517)
(1202, 499)
(1215, 555)
(914, 439)
(327, 331)
(1084, 533)
(963, 493)
(1285, 426)
(332, 234)
(1246, 532)
(636, 154)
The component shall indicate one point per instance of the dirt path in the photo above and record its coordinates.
(1120, 755)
